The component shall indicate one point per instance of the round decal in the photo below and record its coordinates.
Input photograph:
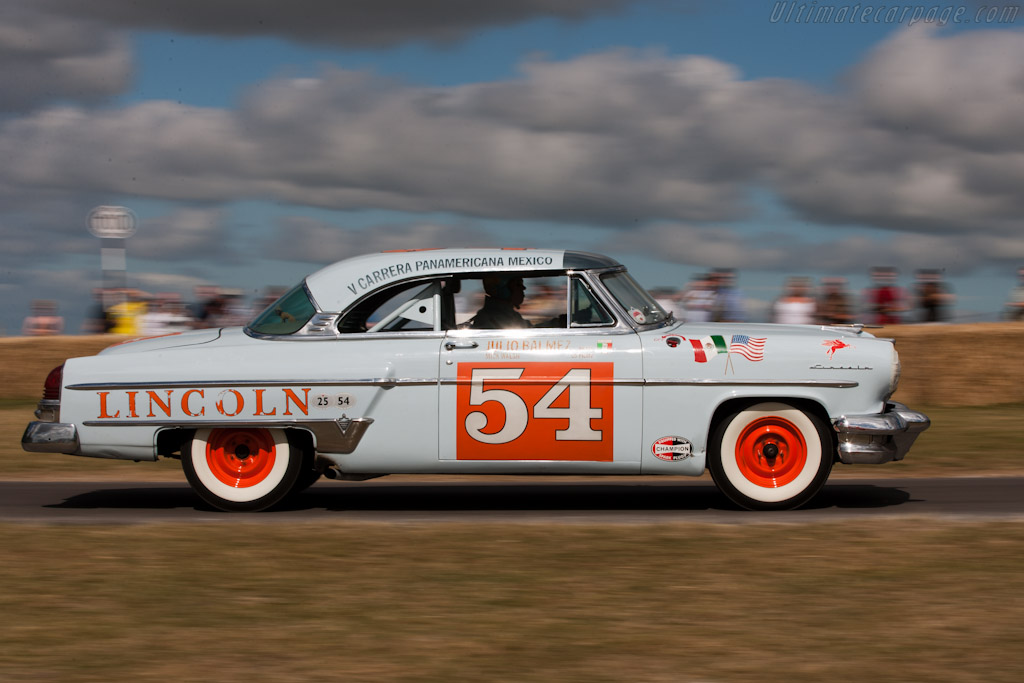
(672, 448)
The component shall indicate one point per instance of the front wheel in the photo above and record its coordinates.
(770, 456)
(243, 469)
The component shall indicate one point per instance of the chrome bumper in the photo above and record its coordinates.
(50, 437)
(884, 437)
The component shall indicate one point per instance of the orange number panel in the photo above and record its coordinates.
(535, 411)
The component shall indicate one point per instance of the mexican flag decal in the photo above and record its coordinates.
(708, 347)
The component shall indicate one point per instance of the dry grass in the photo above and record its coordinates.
(26, 361)
(959, 365)
(911, 601)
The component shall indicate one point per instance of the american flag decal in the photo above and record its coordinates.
(750, 348)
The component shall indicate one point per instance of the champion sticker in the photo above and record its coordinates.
(672, 448)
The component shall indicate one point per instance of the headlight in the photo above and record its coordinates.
(894, 377)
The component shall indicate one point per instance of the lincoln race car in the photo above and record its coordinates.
(483, 361)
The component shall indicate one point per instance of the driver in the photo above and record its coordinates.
(504, 295)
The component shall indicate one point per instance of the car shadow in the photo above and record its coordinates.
(491, 497)
(131, 498)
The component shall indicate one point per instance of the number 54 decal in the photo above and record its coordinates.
(534, 411)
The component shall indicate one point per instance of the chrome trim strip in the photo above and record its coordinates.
(389, 382)
(836, 384)
(820, 383)
(207, 384)
(321, 325)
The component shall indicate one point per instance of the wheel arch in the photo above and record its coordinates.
(170, 440)
(739, 403)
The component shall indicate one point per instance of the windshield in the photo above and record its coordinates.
(634, 299)
(287, 315)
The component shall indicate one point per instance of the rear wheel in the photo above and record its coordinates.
(243, 469)
(770, 456)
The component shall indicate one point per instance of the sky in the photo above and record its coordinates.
(257, 140)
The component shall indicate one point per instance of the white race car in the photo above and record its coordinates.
(483, 361)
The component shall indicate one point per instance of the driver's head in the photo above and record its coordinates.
(505, 288)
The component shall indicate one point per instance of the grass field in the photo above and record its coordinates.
(903, 601)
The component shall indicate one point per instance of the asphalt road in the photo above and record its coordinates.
(548, 499)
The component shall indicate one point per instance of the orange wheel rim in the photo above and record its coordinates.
(771, 452)
(240, 458)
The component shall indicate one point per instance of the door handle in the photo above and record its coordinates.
(451, 345)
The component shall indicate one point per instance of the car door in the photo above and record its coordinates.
(543, 399)
(388, 354)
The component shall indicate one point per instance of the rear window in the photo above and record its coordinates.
(287, 315)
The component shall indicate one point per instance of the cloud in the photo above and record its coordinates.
(621, 138)
(966, 89)
(350, 141)
(721, 246)
(928, 139)
(188, 233)
(48, 57)
(352, 23)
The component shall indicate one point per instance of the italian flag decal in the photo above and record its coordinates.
(708, 347)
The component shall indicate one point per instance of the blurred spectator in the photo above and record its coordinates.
(728, 304)
(796, 306)
(206, 295)
(834, 307)
(235, 311)
(96, 319)
(127, 313)
(166, 315)
(546, 301)
(43, 320)
(699, 299)
(933, 296)
(1015, 304)
(885, 299)
(668, 299)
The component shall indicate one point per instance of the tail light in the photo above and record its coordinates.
(51, 389)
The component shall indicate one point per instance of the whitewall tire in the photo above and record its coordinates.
(770, 456)
(241, 469)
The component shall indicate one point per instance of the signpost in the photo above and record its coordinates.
(113, 225)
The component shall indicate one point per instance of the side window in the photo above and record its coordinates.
(586, 310)
(498, 301)
(409, 307)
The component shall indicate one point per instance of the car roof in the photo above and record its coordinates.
(338, 285)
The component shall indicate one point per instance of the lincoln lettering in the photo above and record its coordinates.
(145, 404)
